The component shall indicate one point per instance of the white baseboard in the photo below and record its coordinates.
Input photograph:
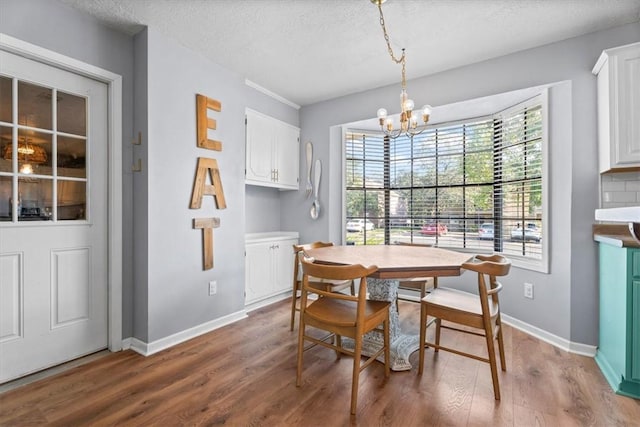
(126, 343)
(147, 349)
(564, 344)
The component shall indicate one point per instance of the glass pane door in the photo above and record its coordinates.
(43, 153)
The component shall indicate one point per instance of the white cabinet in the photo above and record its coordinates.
(618, 71)
(272, 152)
(268, 265)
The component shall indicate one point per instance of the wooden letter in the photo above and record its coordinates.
(200, 188)
(207, 225)
(203, 122)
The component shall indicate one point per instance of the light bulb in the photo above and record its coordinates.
(382, 113)
(26, 169)
(389, 124)
(408, 105)
(426, 113)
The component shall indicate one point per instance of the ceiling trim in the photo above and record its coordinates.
(271, 94)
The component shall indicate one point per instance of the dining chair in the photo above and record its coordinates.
(480, 311)
(328, 285)
(417, 284)
(343, 315)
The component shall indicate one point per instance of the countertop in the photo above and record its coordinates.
(616, 235)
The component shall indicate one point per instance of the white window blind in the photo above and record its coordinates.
(474, 185)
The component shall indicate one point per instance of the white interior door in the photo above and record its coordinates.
(53, 216)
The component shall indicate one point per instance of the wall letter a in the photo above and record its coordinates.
(200, 188)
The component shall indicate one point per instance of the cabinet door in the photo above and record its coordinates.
(283, 265)
(628, 94)
(258, 271)
(634, 317)
(288, 156)
(260, 142)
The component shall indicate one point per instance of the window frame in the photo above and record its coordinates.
(541, 263)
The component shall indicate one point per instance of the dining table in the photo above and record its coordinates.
(394, 262)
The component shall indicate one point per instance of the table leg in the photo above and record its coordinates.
(401, 345)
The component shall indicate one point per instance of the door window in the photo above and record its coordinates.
(43, 153)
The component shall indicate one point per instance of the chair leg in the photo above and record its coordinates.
(338, 342)
(356, 374)
(438, 325)
(387, 347)
(503, 363)
(423, 335)
(301, 332)
(493, 363)
(294, 297)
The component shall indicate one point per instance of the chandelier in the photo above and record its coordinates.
(408, 117)
(29, 153)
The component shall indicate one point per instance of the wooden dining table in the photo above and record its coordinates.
(394, 262)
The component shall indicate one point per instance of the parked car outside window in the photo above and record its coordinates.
(432, 229)
(485, 231)
(531, 232)
(359, 225)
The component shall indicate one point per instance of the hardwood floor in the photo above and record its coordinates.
(244, 374)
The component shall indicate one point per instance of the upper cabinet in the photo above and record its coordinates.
(272, 152)
(618, 71)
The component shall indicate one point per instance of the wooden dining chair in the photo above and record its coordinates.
(417, 284)
(327, 285)
(480, 311)
(344, 316)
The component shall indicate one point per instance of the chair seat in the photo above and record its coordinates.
(343, 313)
(452, 299)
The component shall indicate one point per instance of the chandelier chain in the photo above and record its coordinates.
(400, 60)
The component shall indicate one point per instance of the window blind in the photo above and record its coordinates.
(475, 184)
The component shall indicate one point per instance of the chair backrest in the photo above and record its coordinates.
(492, 266)
(298, 251)
(336, 272)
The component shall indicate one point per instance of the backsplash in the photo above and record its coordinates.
(620, 189)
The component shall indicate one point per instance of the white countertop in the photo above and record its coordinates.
(628, 214)
(270, 236)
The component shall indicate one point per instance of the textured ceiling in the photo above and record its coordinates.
(308, 51)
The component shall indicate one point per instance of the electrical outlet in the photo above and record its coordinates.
(213, 287)
(528, 290)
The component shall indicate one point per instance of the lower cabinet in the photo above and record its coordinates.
(618, 353)
(268, 265)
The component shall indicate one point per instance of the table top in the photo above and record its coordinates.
(395, 261)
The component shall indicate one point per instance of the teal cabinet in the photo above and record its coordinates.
(618, 354)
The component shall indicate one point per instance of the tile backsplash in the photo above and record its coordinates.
(620, 189)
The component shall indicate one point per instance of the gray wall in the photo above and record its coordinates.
(177, 285)
(141, 190)
(566, 301)
(57, 27)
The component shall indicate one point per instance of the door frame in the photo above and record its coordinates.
(114, 145)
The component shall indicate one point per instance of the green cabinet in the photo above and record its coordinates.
(618, 353)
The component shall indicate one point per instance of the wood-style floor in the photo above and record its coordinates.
(244, 375)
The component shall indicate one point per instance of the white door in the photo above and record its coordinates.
(53, 216)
